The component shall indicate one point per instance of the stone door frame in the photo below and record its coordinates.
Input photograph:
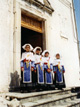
(18, 7)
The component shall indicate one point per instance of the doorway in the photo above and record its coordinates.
(32, 31)
(32, 37)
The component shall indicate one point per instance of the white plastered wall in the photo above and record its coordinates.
(60, 37)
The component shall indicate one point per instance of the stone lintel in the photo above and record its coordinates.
(40, 5)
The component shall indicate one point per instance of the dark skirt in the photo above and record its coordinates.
(57, 84)
(38, 86)
(48, 86)
(28, 86)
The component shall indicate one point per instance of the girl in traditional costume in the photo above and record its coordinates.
(48, 69)
(59, 71)
(27, 66)
(38, 68)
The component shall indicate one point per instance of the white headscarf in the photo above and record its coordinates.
(44, 52)
(36, 49)
(59, 54)
(31, 48)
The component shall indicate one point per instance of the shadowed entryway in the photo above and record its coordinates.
(32, 37)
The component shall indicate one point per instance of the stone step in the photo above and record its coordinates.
(26, 97)
(51, 101)
(72, 103)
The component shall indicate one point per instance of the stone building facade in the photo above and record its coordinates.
(55, 19)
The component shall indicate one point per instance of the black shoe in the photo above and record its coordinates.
(22, 91)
